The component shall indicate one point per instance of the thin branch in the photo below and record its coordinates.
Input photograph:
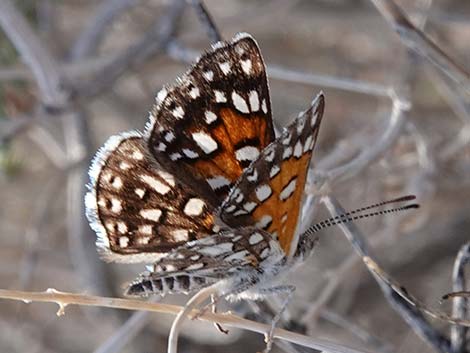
(154, 41)
(460, 306)
(64, 299)
(356, 330)
(10, 128)
(374, 151)
(417, 41)
(328, 81)
(49, 146)
(207, 21)
(34, 53)
(126, 333)
(181, 53)
(405, 304)
(92, 35)
(196, 301)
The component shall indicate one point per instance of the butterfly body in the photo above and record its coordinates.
(207, 194)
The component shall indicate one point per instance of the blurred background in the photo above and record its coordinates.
(397, 121)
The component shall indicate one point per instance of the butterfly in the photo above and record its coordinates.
(206, 194)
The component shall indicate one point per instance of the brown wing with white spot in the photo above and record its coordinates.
(139, 210)
(217, 118)
(270, 191)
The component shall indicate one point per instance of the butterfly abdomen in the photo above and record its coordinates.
(152, 284)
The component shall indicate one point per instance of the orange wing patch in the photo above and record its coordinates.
(288, 187)
(234, 133)
(269, 193)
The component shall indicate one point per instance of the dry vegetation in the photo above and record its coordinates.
(397, 122)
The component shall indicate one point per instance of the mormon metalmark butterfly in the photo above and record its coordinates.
(207, 194)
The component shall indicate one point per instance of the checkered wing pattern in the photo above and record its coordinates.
(270, 191)
(202, 262)
(217, 118)
(139, 210)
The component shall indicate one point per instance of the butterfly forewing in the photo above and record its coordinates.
(139, 210)
(270, 191)
(217, 118)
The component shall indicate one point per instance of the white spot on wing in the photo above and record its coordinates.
(300, 125)
(274, 171)
(264, 107)
(175, 156)
(161, 95)
(143, 240)
(255, 238)
(225, 67)
(288, 190)
(169, 136)
(246, 66)
(146, 229)
(239, 255)
(196, 266)
(264, 254)
(210, 117)
(169, 178)
(117, 183)
(116, 205)
(161, 147)
(253, 177)
(152, 214)
(208, 75)
(254, 101)
(247, 153)
(298, 149)
(250, 206)
(122, 227)
(190, 153)
(155, 184)
(194, 207)
(178, 112)
(123, 242)
(239, 103)
(284, 218)
(180, 235)
(270, 153)
(263, 192)
(220, 97)
(287, 153)
(230, 208)
(217, 249)
(124, 165)
(137, 155)
(308, 142)
(264, 221)
(205, 142)
(314, 119)
(194, 93)
(218, 182)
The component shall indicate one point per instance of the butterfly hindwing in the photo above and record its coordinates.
(269, 193)
(216, 119)
(202, 262)
(139, 210)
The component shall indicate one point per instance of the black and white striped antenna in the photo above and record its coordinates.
(358, 214)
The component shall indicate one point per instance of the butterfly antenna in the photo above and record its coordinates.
(357, 214)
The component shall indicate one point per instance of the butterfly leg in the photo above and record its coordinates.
(214, 311)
